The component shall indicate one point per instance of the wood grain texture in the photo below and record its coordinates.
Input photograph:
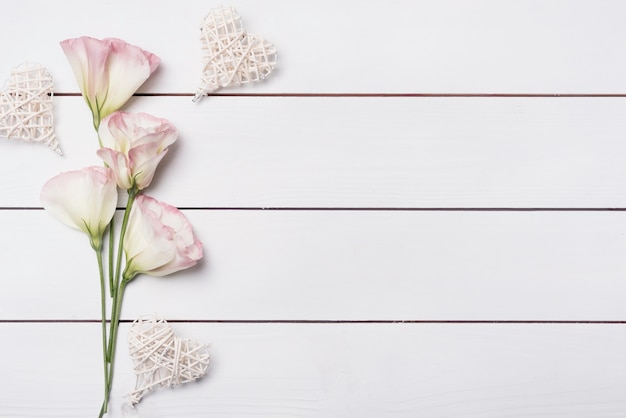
(316, 370)
(388, 143)
(294, 265)
(359, 152)
(450, 46)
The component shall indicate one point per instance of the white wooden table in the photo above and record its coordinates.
(420, 214)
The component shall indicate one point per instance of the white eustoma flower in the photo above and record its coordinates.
(133, 144)
(159, 240)
(108, 71)
(83, 199)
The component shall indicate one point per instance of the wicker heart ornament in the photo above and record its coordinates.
(231, 56)
(26, 106)
(161, 359)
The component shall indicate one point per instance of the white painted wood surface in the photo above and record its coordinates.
(321, 370)
(343, 265)
(439, 242)
(363, 152)
(428, 46)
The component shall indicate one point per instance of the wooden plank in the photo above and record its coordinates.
(427, 46)
(282, 294)
(356, 152)
(321, 370)
(321, 265)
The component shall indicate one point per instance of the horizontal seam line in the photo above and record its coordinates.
(415, 95)
(323, 321)
(373, 209)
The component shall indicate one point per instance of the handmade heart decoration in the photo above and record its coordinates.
(161, 359)
(231, 56)
(26, 106)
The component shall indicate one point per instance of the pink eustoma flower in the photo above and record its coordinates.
(83, 199)
(108, 71)
(133, 144)
(159, 240)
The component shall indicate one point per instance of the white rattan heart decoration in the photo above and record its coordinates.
(26, 106)
(231, 56)
(160, 359)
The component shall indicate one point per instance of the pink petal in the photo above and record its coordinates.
(118, 162)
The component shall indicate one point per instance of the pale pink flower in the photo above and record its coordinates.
(83, 199)
(133, 144)
(108, 71)
(159, 239)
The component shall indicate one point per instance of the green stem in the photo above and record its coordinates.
(132, 193)
(118, 286)
(104, 331)
(111, 224)
(115, 324)
(107, 380)
(111, 246)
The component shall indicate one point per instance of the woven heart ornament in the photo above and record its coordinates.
(161, 359)
(231, 57)
(26, 106)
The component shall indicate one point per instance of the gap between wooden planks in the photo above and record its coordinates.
(324, 321)
(498, 95)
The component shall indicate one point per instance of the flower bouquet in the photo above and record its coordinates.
(154, 238)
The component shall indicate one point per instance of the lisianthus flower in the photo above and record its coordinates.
(108, 71)
(83, 199)
(133, 144)
(159, 240)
